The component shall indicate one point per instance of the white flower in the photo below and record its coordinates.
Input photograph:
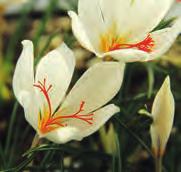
(122, 29)
(54, 115)
(163, 115)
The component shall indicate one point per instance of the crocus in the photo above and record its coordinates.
(163, 115)
(122, 29)
(51, 113)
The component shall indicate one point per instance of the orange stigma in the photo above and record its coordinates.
(49, 121)
(145, 45)
(111, 41)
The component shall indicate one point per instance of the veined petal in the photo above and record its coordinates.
(100, 117)
(54, 71)
(77, 130)
(96, 87)
(79, 31)
(24, 75)
(133, 17)
(163, 39)
(163, 114)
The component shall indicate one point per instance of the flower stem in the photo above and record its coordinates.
(158, 164)
(35, 143)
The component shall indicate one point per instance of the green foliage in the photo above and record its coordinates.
(141, 82)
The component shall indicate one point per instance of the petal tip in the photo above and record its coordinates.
(71, 13)
(63, 45)
(117, 109)
(27, 42)
(167, 81)
(64, 49)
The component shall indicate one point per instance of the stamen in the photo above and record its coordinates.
(42, 87)
(77, 115)
(48, 121)
(145, 45)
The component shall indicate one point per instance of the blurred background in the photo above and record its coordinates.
(123, 144)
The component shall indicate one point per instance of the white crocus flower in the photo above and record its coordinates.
(51, 113)
(163, 115)
(122, 29)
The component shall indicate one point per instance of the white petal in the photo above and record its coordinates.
(77, 130)
(68, 56)
(90, 15)
(100, 117)
(31, 105)
(164, 39)
(24, 75)
(96, 87)
(79, 31)
(163, 114)
(127, 55)
(133, 17)
(63, 135)
(57, 68)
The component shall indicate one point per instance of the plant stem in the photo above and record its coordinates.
(10, 129)
(35, 143)
(158, 164)
(135, 136)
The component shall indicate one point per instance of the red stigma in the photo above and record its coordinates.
(44, 90)
(51, 121)
(77, 115)
(145, 45)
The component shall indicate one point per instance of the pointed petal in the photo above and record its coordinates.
(164, 39)
(79, 31)
(163, 114)
(100, 117)
(68, 56)
(90, 15)
(24, 75)
(133, 17)
(57, 68)
(98, 85)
